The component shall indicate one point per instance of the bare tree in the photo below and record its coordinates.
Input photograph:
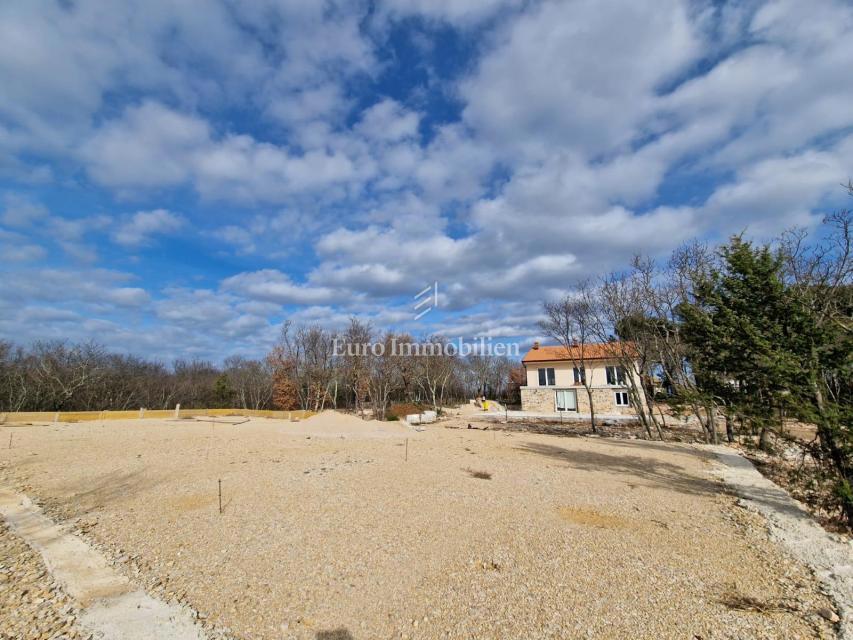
(384, 375)
(571, 322)
(304, 361)
(621, 309)
(435, 369)
(251, 381)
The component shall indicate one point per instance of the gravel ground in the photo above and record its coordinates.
(830, 556)
(328, 531)
(32, 605)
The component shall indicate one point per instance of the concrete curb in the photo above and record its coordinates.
(109, 606)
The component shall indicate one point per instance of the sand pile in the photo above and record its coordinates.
(337, 424)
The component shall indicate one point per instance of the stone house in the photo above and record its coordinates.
(555, 384)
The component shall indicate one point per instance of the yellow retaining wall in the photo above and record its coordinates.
(84, 416)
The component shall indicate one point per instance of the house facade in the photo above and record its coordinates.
(555, 383)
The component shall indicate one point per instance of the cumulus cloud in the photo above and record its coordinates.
(462, 13)
(14, 247)
(151, 145)
(139, 229)
(93, 287)
(581, 74)
(238, 237)
(271, 285)
(388, 121)
(21, 211)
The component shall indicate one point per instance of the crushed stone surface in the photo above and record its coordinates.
(32, 604)
(328, 531)
(830, 556)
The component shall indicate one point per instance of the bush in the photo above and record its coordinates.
(400, 410)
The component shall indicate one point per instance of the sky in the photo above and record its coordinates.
(178, 178)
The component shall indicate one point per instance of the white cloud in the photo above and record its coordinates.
(237, 237)
(153, 146)
(94, 287)
(149, 146)
(14, 247)
(462, 13)
(582, 74)
(20, 211)
(388, 121)
(139, 228)
(271, 285)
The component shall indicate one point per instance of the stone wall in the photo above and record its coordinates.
(537, 399)
(541, 400)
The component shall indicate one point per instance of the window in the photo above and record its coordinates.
(546, 377)
(622, 399)
(580, 375)
(567, 400)
(615, 375)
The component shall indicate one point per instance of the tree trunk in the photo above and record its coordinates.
(712, 423)
(764, 439)
(827, 429)
(730, 434)
(591, 410)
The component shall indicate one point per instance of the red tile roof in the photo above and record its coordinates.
(594, 351)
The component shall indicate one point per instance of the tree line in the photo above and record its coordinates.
(302, 371)
(315, 368)
(59, 376)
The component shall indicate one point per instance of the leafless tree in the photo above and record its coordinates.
(384, 375)
(435, 370)
(621, 307)
(251, 381)
(571, 321)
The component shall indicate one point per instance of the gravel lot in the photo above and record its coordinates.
(32, 605)
(329, 532)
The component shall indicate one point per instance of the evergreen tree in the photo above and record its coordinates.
(739, 328)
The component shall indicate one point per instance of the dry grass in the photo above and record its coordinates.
(740, 602)
(480, 475)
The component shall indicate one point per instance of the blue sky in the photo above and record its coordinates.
(178, 178)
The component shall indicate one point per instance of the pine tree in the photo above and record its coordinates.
(739, 329)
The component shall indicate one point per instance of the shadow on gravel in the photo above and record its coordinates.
(664, 474)
(334, 634)
(656, 445)
(110, 488)
(673, 431)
